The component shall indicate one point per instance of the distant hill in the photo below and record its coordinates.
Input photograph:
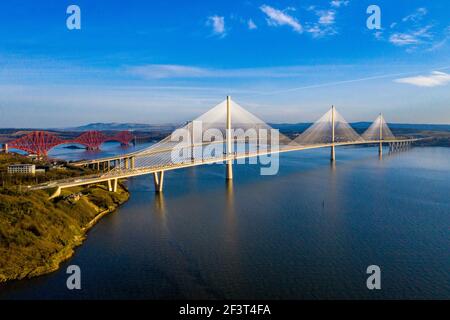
(360, 126)
(113, 126)
(284, 127)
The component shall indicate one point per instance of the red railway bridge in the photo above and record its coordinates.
(40, 142)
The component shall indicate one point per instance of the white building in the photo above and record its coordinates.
(22, 169)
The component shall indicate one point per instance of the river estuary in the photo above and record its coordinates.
(309, 232)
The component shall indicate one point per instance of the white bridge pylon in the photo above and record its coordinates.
(206, 139)
(379, 130)
(330, 128)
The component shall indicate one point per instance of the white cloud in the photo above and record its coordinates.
(416, 16)
(435, 79)
(414, 37)
(161, 71)
(443, 42)
(278, 18)
(423, 32)
(218, 24)
(378, 35)
(317, 31)
(403, 39)
(324, 25)
(413, 32)
(251, 25)
(166, 71)
(326, 16)
(339, 3)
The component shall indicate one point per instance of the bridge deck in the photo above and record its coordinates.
(127, 173)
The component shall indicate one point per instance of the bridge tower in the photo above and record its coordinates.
(333, 151)
(380, 147)
(229, 141)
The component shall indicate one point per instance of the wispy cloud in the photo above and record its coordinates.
(416, 16)
(414, 37)
(251, 25)
(277, 17)
(442, 42)
(162, 71)
(326, 16)
(339, 3)
(436, 78)
(414, 31)
(324, 25)
(172, 71)
(403, 39)
(317, 31)
(218, 25)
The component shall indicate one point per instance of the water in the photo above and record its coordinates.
(108, 149)
(309, 232)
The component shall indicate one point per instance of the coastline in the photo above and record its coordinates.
(53, 262)
(69, 250)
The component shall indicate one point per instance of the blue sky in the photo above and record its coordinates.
(169, 61)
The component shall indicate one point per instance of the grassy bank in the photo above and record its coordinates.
(37, 234)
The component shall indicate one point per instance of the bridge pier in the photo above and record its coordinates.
(380, 149)
(55, 194)
(132, 162)
(114, 186)
(158, 180)
(333, 153)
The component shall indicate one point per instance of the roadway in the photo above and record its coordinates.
(122, 173)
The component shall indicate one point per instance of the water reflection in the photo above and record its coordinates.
(160, 206)
(331, 206)
(229, 208)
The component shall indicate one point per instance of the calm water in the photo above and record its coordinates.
(309, 232)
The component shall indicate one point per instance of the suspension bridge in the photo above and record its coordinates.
(226, 134)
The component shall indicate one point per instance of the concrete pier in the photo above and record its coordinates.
(158, 180)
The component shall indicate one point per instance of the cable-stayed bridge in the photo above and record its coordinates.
(228, 133)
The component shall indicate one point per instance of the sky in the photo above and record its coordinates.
(170, 61)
